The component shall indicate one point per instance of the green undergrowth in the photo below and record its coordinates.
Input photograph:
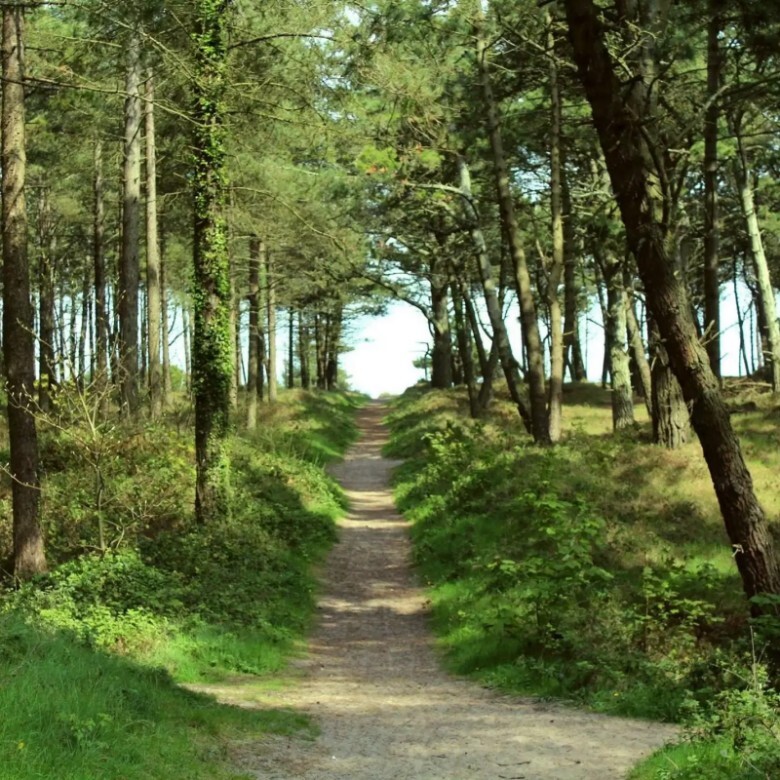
(596, 571)
(139, 597)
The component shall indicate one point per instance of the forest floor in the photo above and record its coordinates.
(373, 685)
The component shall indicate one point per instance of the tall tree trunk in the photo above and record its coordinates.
(770, 331)
(153, 292)
(463, 334)
(531, 338)
(441, 359)
(319, 350)
(616, 340)
(627, 124)
(290, 348)
(304, 348)
(18, 340)
(334, 347)
(711, 216)
(129, 268)
(253, 358)
(571, 323)
(490, 293)
(555, 271)
(165, 335)
(187, 339)
(212, 347)
(99, 262)
(637, 347)
(144, 342)
(83, 325)
(47, 371)
(270, 302)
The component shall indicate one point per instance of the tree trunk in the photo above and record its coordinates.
(83, 329)
(319, 350)
(129, 268)
(334, 347)
(555, 271)
(212, 348)
(153, 293)
(304, 348)
(47, 371)
(187, 339)
(533, 343)
(616, 341)
(234, 327)
(165, 328)
(441, 359)
(99, 262)
(18, 340)
(637, 347)
(626, 123)
(571, 322)
(253, 357)
(270, 302)
(671, 420)
(290, 348)
(711, 217)
(463, 334)
(492, 303)
(770, 331)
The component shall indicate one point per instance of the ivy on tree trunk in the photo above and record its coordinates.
(212, 347)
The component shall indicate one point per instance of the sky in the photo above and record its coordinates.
(384, 347)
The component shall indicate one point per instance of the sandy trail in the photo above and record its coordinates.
(373, 685)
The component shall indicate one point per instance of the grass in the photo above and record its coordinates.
(91, 654)
(597, 571)
(73, 713)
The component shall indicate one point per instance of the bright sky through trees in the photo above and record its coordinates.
(384, 348)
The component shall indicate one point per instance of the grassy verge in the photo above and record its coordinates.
(596, 571)
(90, 653)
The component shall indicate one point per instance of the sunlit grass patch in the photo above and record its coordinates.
(74, 713)
(597, 570)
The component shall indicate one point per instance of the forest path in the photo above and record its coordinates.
(373, 685)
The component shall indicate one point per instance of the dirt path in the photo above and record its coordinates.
(373, 685)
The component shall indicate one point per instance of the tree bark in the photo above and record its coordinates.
(616, 341)
(334, 347)
(165, 328)
(441, 359)
(490, 293)
(99, 271)
(18, 341)
(571, 322)
(671, 420)
(638, 353)
(556, 269)
(270, 302)
(253, 357)
(711, 216)
(531, 338)
(770, 331)
(212, 348)
(47, 365)
(290, 348)
(463, 334)
(129, 268)
(86, 286)
(627, 124)
(153, 293)
(304, 348)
